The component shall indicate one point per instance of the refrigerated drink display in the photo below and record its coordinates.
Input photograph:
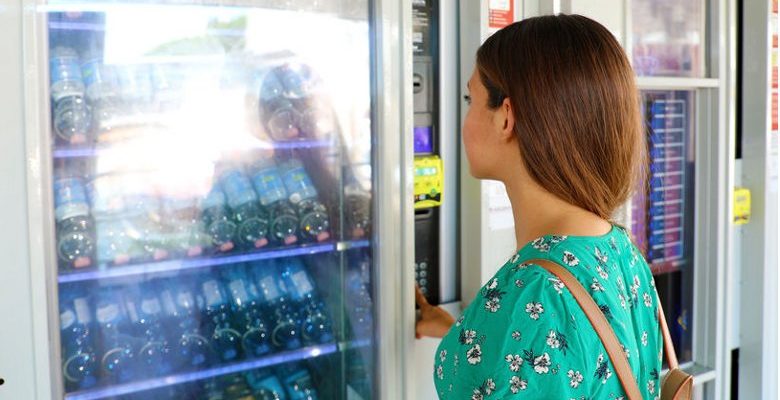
(197, 170)
(662, 213)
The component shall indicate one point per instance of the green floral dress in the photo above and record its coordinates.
(525, 336)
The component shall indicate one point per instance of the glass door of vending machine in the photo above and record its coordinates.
(211, 181)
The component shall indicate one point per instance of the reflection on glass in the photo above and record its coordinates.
(662, 210)
(208, 152)
(668, 37)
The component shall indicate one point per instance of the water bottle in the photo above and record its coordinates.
(102, 89)
(75, 243)
(72, 119)
(265, 385)
(183, 321)
(143, 213)
(66, 80)
(217, 221)
(282, 119)
(251, 218)
(270, 189)
(277, 307)
(357, 210)
(247, 312)
(79, 361)
(316, 327)
(313, 216)
(221, 327)
(99, 79)
(297, 382)
(359, 305)
(118, 362)
(117, 243)
(145, 313)
(186, 232)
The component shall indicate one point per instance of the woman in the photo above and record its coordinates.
(554, 115)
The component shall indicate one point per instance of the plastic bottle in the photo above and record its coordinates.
(216, 218)
(118, 361)
(265, 385)
(182, 321)
(313, 216)
(357, 211)
(297, 382)
(250, 218)
(186, 232)
(66, 80)
(316, 326)
(247, 312)
(221, 327)
(72, 119)
(116, 243)
(79, 361)
(273, 195)
(145, 313)
(277, 307)
(75, 228)
(102, 89)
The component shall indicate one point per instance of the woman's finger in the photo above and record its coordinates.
(419, 297)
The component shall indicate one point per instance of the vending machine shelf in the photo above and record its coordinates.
(176, 379)
(188, 264)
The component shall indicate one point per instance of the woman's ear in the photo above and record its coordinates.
(507, 120)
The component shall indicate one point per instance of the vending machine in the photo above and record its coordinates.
(204, 218)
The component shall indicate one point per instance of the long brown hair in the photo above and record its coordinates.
(576, 107)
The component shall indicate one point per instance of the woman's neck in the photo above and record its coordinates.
(538, 212)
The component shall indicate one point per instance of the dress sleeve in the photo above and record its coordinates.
(523, 340)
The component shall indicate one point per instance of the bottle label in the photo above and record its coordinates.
(238, 189)
(64, 69)
(299, 185)
(107, 313)
(215, 198)
(269, 186)
(238, 289)
(132, 312)
(269, 285)
(185, 299)
(67, 318)
(82, 310)
(70, 199)
(167, 302)
(151, 306)
(212, 293)
(302, 283)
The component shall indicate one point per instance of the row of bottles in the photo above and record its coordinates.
(116, 334)
(91, 99)
(115, 220)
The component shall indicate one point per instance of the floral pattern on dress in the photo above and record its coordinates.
(518, 334)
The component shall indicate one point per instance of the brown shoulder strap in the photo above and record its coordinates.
(671, 356)
(600, 324)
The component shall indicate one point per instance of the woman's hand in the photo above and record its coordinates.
(434, 321)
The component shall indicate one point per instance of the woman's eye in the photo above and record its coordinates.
(467, 98)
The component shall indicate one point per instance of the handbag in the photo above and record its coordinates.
(676, 385)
